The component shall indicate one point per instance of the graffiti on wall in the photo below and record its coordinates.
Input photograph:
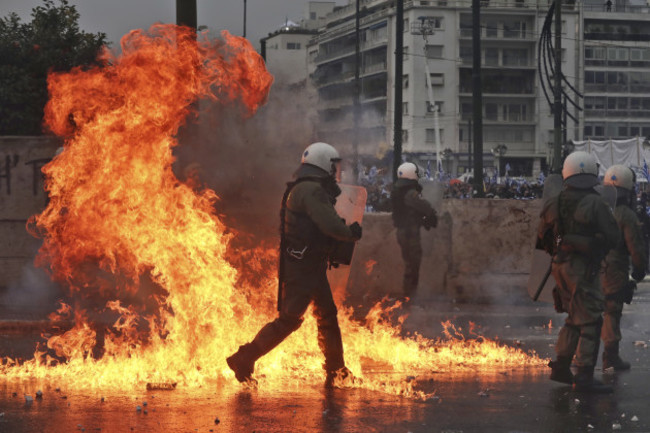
(9, 166)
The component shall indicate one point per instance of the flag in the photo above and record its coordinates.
(507, 168)
(541, 178)
(427, 172)
(645, 172)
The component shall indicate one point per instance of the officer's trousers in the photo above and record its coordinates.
(611, 333)
(305, 281)
(582, 298)
(408, 238)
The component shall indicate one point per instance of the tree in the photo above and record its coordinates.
(28, 51)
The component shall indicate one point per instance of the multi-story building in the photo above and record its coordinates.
(616, 74)
(285, 49)
(516, 115)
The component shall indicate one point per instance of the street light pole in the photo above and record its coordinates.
(244, 35)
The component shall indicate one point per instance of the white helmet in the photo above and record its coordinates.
(322, 155)
(408, 170)
(580, 170)
(619, 176)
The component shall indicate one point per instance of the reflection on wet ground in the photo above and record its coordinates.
(521, 401)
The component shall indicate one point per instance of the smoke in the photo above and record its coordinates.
(34, 291)
(248, 161)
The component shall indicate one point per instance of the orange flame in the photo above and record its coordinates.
(152, 271)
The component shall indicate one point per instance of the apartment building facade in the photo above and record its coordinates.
(616, 75)
(516, 115)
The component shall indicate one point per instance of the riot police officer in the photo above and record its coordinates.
(310, 228)
(410, 212)
(617, 286)
(578, 229)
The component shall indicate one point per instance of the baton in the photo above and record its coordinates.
(543, 282)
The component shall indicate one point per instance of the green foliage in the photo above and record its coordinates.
(52, 41)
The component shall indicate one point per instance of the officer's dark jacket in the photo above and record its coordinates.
(310, 219)
(409, 208)
(583, 215)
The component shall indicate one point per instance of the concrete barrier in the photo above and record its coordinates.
(480, 252)
(21, 196)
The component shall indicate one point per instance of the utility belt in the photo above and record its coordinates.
(337, 252)
(625, 294)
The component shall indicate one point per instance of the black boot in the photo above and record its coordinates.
(344, 376)
(611, 359)
(561, 370)
(242, 363)
(584, 381)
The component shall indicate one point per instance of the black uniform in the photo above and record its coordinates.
(410, 212)
(310, 226)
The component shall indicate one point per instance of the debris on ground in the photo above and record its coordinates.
(616, 426)
(634, 418)
(640, 343)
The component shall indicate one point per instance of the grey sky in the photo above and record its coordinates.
(117, 17)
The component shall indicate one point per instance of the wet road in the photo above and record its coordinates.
(502, 401)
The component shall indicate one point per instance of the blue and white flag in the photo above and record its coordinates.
(541, 178)
(645, 172)
(427, 172)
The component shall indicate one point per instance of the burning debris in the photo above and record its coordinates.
(153, 295)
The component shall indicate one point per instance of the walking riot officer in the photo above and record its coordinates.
(617, 286)
(309, 229)
(410, 212)
(578, 229)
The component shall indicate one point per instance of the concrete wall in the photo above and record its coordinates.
(21, 196)
(481, 249)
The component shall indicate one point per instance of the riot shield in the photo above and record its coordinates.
(540, 281)
(433, 191)
(350, 206)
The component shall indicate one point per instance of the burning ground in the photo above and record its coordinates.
(159, 287)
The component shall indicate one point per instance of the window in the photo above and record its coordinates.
(491, 111)
(405, 135)
(491, 57)
(491, 28)
(587, 130)
(405, 108)
(431, 135)
(293, 45)
(436, 79)
(312, 15)
(406, 25)
(433, 51)
(405, 53)
(431, 23)
(634, 130)
(430, 108)
(405, 81)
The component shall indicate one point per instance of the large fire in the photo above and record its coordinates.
(154, 290)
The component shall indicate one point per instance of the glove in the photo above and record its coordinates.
(430, 221)
(356, 230)
(638, 274)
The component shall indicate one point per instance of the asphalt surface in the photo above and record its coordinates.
(503, 401)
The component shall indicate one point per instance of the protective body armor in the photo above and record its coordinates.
(301, 235)
(404, 215)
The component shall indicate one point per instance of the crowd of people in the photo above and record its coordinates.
(378, 184)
